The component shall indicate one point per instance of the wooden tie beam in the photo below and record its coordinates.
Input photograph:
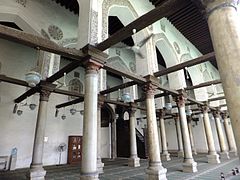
(203, 85)
(193, 62)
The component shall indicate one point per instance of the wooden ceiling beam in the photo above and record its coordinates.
(115, 88)
(193, 62)
(203, 85)
(4, 78)
(166, 9)
(216, 99)
(37, 42)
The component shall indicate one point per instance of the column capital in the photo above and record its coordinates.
(149, 89)
(212, 5)
(181, 98)
(45, 90)
(132, 109)
(216, 113)
(161, 113)
(205, 108)
(189, 119)
(175, 116)
(95, 59)
(101, 99)
(224, 115)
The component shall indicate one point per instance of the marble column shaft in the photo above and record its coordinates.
(189, 165)
(165, 154)
(224, 27)
(36, 168)
(89, 169)
(189, 121)
(114, 137)
(229, 134)
(100, 165)
(212, 156)
(155, 169)
(133, 160)
(221, 139)
(179, 136)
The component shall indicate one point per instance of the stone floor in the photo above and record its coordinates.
(118, 170)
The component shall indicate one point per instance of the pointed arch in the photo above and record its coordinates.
(176, 79)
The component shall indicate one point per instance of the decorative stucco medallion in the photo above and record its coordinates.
(132, 66)
(163, 27)
(22, 2)
(44, 34)
(176, 47)
(55, 32)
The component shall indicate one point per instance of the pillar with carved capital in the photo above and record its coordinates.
(36, 168)
(155, 169)
(179, 135)
(223, 15)
(165, 155)
(100, 165)
(223, 146)
(189, 165)
(133, 161)
(229, 134)
(114, 137)
(189, 121)
(89, 144)
(212, 156)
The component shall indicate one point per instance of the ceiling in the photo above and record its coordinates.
(189, 20)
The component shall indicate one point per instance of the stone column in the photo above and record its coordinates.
(189, 121)
(224, 26)
(223, 146)
(179, 136)
(165, 154)
(189, 165)
(133, 161)
(114, 137)
(100, 165)
(229, 134)
(155, 169)
(89, 143)
(36, 168)
(213, 157)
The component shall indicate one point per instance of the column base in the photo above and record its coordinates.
(165, 157)
(194, 151)
(180, 154)
(92, 176)
(213, 159)
(36, 173)
(233, 153)
(190, 167)
(224, 155)
(100, 165)
(156, 171)
(134, 162)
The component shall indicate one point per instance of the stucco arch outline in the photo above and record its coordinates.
(176, 79)
(196, 77)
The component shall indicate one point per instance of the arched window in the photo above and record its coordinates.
(75, 85)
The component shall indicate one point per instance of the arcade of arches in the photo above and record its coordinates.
(150, 79)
